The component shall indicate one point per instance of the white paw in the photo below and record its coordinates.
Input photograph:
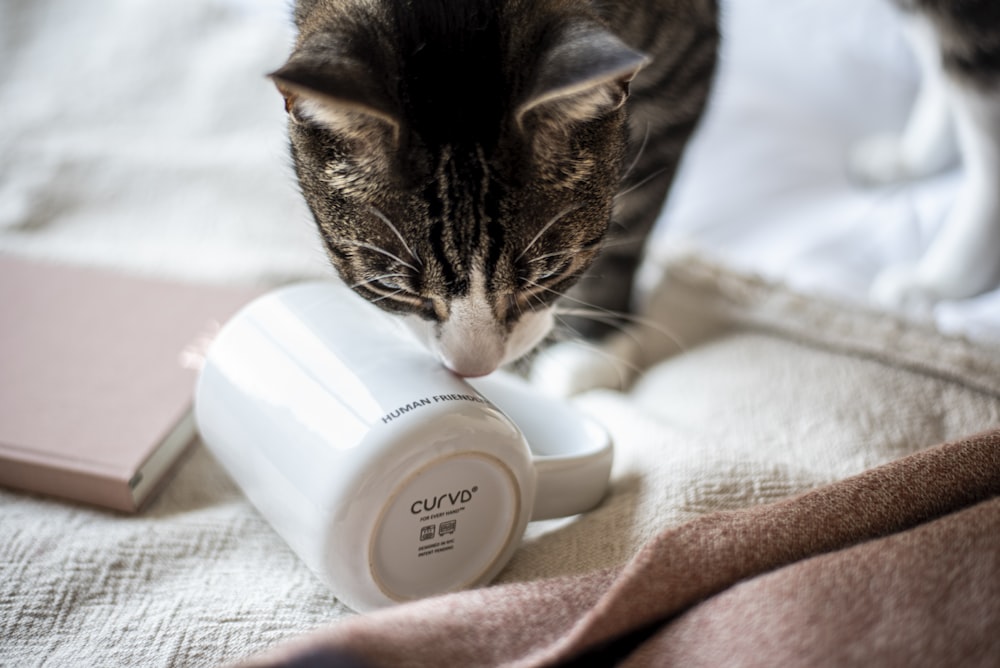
(901, 288)
(572, 367)
(878, 160)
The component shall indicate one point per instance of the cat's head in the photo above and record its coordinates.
(460, 158)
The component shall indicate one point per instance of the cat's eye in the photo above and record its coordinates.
(391, 283)
(548, 276)
(396, 295)
(400, 292)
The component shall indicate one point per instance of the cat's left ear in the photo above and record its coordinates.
(321, 84)
(582, 74)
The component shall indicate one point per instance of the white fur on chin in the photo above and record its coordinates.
(472, 342)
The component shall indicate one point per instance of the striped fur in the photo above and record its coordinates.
(467, 161)
(968, 37)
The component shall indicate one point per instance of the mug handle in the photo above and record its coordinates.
(571, 452)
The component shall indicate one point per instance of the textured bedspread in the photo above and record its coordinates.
(897, 566)
(142, 135)
(773, 395)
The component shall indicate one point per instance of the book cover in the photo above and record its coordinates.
(97, 375)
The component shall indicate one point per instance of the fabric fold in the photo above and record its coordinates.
(559, 621)
(928, 596)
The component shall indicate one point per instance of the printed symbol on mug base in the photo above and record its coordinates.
(427, 532)
(447, 527)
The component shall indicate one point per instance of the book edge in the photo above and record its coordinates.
(92, 484)
(153, 474)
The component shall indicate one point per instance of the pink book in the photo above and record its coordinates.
(97, 374)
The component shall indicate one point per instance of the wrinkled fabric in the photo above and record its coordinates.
(897, 566)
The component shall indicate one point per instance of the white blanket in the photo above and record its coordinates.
(765, 186)
(143, 135)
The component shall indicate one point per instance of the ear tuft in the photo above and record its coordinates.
(320, 84)
(582, 74)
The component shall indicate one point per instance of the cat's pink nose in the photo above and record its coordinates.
(472, 360)
(471, 343)
(471, 368)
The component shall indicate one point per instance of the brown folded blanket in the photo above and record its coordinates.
(897, 566)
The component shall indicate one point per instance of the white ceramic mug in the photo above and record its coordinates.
(389, 476)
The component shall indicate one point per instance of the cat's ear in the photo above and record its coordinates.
(321, 84)
(582, 74)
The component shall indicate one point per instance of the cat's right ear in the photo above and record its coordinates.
(583, 72)
(342, 93)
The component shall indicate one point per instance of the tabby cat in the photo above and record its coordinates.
(467, 161)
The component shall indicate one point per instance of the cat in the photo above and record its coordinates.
(470, 162)
(956, 117)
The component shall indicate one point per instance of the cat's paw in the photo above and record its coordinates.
(902, 288)
(879, 160)
(961, 261)
(888, 158)
(916, 288)
(572, 367)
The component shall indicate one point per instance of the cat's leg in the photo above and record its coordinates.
(666, 102)
(964, 257)
(605, 342)
(927, 144)
(576, 365)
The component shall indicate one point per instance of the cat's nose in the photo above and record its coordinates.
(471, 366)
(469, 353)
(471, 343)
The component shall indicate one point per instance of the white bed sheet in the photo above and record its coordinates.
(764, 186)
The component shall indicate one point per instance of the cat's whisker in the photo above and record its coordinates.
(631, 318)
(636, 186)
(539, 258)
(385, 219)
(556, 292)
(533, 296)
(375, 279)
(611, 321)
(642, 149)
(520, 307)
(546, 256)
(553, 221)
(623, 241)
(361, 244)
(386, 296)
(595, 312)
